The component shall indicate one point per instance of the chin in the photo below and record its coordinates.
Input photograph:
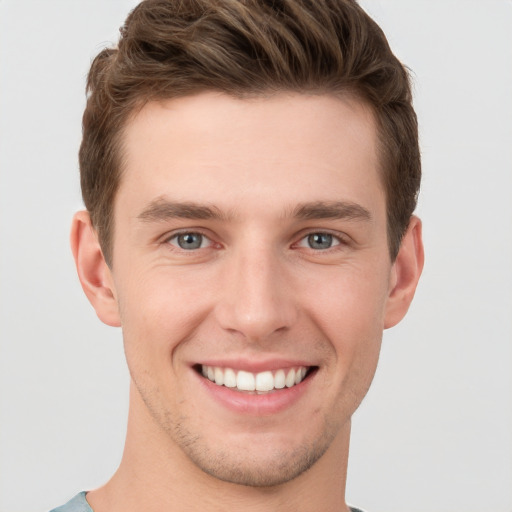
(259, 463)
(274, 471)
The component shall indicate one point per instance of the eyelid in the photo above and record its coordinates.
(341, 238)
(166, 239)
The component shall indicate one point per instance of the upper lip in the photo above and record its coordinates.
(254, 366)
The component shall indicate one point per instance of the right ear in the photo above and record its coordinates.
(93, 271)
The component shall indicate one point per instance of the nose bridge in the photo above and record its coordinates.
(256, 300)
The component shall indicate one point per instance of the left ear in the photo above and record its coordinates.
(405, 274)
(93, 272)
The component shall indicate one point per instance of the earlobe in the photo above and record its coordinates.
(406, 272)
(93, 272)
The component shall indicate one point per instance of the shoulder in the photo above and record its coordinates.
(76, 504)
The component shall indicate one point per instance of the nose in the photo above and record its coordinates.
(257, 296)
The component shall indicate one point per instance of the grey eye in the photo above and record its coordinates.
(188, 241)
(320, 240)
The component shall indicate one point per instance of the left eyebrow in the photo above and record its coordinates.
(162, 209)
(332, 210)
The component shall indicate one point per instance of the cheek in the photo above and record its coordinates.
(159, 310)
(350, 313)
(349, 300)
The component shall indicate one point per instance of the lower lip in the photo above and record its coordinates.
(254, 404)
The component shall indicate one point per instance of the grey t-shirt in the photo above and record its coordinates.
(76, 504)
(79, 504)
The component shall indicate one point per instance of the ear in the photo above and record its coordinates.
(93, 271)
(405, 274)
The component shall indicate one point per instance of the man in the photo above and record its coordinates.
(250, 171)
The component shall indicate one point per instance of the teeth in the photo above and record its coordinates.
(290, 379)
(256, 382)
(219, 376)
(264, 381)
(245, 381)
(279, 379)
(229, 378)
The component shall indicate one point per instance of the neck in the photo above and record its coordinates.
(155, 475)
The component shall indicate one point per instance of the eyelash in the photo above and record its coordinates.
(336, 240)
(332, 239)
(175, 236)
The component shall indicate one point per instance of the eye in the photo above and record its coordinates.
(319, 241)
(189, 241)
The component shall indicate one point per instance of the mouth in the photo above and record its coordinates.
(261, 383)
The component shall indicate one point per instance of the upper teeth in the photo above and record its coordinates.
(246, 381)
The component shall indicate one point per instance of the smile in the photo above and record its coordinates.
(262, 382)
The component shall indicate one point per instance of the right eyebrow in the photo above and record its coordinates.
(162, 209)
(332, 210)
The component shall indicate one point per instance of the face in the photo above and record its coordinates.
(252, 274)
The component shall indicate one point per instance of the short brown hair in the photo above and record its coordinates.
(172, 48)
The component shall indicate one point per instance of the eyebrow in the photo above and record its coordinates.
(332, 210)
(162, 209)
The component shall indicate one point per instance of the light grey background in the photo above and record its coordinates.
(435, 432)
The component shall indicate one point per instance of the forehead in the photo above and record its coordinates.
(236, 153)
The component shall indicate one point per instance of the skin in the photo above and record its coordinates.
(271, 171)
